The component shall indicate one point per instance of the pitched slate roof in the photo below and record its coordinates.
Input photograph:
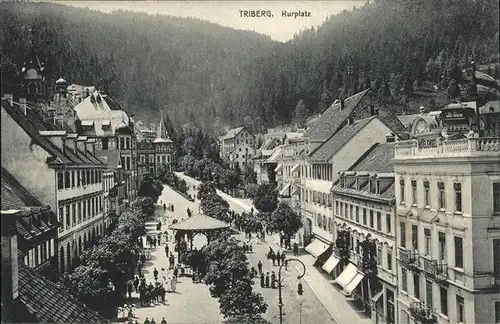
(233, 132)
(377, 160)
(103, 113)
(47, 302)
(387, 190)
(14, 195)
(33, 123)
(325, 152)
(333, 118)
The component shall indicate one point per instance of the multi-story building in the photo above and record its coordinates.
(60, 169)
(163, 147)
(260, 164)
(363, 258)
(99, 117)
(448, 227)
(237, 147)
(36, 227)
(489, 115)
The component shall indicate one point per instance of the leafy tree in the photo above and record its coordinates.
(205, 189)
(251, 189)
(240, 301)
(249, 176)
(285, 219)
(266, 198)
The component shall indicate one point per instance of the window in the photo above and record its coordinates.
(105, 143)
(88, 177)
(428, 293)
(426, 193)
(239, 149)
(428, 241)
(416, 285)
(496, 198)
(151, 159)
(364, 216)
(337, 207)
(127, 143)
(459, 256)
(402, 190)
(122, 143)
(458, 196)
(73, 212)
(444, 300)
(84, 178)
(73, 179)
(351, 212)
(414, 192)
(60, 180)
(402, 234)
(388, 223)
(371, 219)
(496, 257)
(379, 221)
(379, 256)
(79, 212)
(414, 237)
(389, 259)
(441, 197)
(460, 309)
(404, 280)
(66, 179)
(497, 312)
(68, 219)
(357, 214)
(442, 247)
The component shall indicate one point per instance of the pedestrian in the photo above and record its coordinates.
(295, 249)
(136, 283)
(176, 272)
(278, 257)
(143, 258)
(250, 248)
(153, 321)
(155, 274)
(283, 257)
(269, 253)
(273, 280)
(164, 207)
(267, 280)
(159, 225)
(163, 321)
(253, 272)
(141, 242)
(146, 321)
(273, 257)
(130, 287)
(262, 283)
(166, 249)
(139, 267)
(172, 207)
(259, 266)
(173, 283)
(171, 260)
(154, 242)
(166, 236)
(159, 240)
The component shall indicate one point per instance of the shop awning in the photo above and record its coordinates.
(284, 191)
(331, 263)
(347, 275)
(377, 296)
(295, 167)
(294, 191)
(278, 167)
(353, 284)
(316, 248)
(87, 122)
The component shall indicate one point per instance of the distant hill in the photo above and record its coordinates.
(408, 51)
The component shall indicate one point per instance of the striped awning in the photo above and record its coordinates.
(284, 191)
(278, 167)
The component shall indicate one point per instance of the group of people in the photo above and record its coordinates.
(170, 207)
(147, 321)
(276, 257)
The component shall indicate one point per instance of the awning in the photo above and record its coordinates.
(278, 167)
(294, 191)
(284, 191)
(347, 275)
(295, 167)
(106, 122)
(377, 296)
(354, 283)
(316, 248)
(330, 264)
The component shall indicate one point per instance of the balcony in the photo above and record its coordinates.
(433, 148)
(438, 271)
(422, 313)
(409, 259)
(342, 252)
(368, 265)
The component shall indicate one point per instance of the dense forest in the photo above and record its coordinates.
(218, 77)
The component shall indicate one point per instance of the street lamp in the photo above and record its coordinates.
(300, 299)
(299, 286)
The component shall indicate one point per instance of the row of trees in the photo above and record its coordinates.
(104, 268)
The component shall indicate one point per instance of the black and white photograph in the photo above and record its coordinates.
(250, 162)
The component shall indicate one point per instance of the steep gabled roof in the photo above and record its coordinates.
(333, 118)
(328, 149)
(378, 160)
(14, 195)
(233, 132)
(46, 302)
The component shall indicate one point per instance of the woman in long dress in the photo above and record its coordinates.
(173, 283)
(168, 284)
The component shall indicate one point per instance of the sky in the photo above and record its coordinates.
(227, 13)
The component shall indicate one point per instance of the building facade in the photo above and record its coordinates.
(237, 147)
(448, 235)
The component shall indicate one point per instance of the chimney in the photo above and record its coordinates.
(389, 138)
(9, 98)
(342, 104)
(350, 120)
(22, 105)
(10, 266)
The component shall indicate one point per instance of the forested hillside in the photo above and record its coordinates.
(214, 75)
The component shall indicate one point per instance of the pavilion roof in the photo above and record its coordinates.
(199, 222)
